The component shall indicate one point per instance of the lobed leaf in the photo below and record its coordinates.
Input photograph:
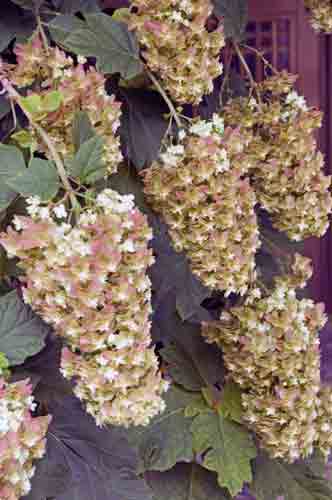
(14, 24)
(228, 448)
(142, 126)
(88, 165)
(185, 482)
(231, 402)
(22, 333)
(167, 439)
(84, 462)
(109, 41)
(82, 129)
(11, 164)
(40, 179)
(303, 480)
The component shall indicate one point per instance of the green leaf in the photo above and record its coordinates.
(300, 481)
(61, 27)
(24, 139)
(235, 14)
(167, 439)
(47, 103)
(185, 482)
(11, 163)
(228, 448)
(82, 129)
(114, 46)
(32, 103)
(4, 363)
(40, 179)
(88, 165)
(231, 402)
(22, 333)
(52, 101)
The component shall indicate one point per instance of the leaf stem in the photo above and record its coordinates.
(43, 35)
(48, 142)
(166, 98)
(253, 84)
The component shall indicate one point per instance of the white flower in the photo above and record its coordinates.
(218, 123)
(60, 211)
(182, 134)
(81, 59)
(128, 246)
(202, 128)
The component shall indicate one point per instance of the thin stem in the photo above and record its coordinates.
(166, 98)
(48, 142)
(261, 56)
(226, 78)
(43, 34)
(253, 84)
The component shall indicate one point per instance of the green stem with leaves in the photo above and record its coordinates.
(15, 96)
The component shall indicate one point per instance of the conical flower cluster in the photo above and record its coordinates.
(90, 283)
(271, 349)
(199, 188)
(321, 12)
(287, 172)
(22, 439)
(81, 90)
(177, 46)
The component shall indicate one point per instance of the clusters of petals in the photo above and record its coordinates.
(81, 90)
(288, 169)
(90, 282)
(177, 46)
(271, 349)
(321, 14)
(22, 439)
(199, 187)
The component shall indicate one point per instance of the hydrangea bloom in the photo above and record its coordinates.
(81, 89)
(287, 171)
(199, 188)
(177, 46)
(90, 283)
(271, 349)
(22, 439)
(321, 11)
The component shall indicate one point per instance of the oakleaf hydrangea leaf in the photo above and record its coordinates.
(303, 480)
(185, 482)
(231, 402)
(40, 179)
(22, 333)
(228, 448)
(114, 46)
(167, 439)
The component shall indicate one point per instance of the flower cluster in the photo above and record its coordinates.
(22, 439)
(199, 187)
(90, 283)
(177, 46)
(80, 88)
(321, 11)
(271, 349)
(287, 171)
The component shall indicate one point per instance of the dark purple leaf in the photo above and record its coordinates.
(326, 354)
(84, 462)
